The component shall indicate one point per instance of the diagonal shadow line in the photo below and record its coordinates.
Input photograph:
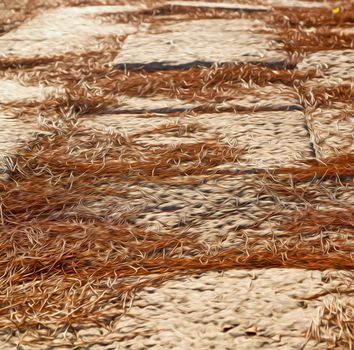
(166, 110)
(167, 10)
(166, 66)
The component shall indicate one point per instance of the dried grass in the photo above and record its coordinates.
(14, 12)
(166, 13)
(298, 40)
(335, 323)
(327, 95)
(65, 267)
(312, 17)
(340, 166)
(90, 77)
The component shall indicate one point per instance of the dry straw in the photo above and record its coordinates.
(73, 256)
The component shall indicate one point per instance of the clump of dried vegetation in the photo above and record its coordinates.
(334, 321)
(68, 264)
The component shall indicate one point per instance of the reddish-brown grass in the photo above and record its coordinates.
(74, 256)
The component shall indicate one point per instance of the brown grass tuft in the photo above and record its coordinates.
(340, 166)
(335, 323)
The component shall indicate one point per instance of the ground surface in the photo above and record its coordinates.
(177, 175)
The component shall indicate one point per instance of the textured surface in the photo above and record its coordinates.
(61, 30)
(12, 90)
(185, 204)
(334, 65)
(199, 41)
(219, 5)
(221, 309)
